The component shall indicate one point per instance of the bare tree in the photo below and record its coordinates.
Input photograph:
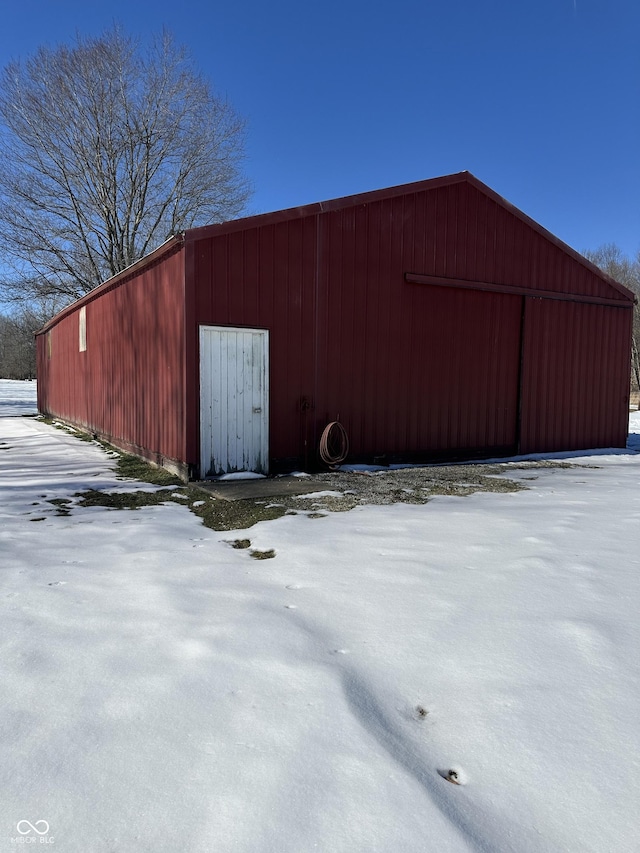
(611, 259)
(106, 150)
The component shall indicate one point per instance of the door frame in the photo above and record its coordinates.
(206, 422)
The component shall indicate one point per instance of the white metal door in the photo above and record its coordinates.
(234, 400)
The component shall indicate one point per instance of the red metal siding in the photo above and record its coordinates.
(129, 384)
(394, 360)
(408, 368)
(264, 278)
(414, 315)
(575, 382)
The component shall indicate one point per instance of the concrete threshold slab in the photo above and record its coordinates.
(240, 490)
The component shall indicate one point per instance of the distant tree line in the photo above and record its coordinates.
(17, 344)
(18, 325)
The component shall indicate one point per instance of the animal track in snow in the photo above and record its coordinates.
(402, 741)
(455, 775)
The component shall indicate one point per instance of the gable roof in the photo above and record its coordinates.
(372, 196)
(236, 225)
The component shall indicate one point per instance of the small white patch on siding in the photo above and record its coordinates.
(82, 329)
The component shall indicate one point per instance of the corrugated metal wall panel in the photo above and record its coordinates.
(410, 368)
(407, 368)
(575, 383)
(264, 279)
(129, 384)
(407, 377)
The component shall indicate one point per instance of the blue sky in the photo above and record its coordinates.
(538, 99)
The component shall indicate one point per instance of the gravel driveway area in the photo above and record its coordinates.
(346, 489)
(342, 490)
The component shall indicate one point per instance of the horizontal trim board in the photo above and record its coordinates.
(439, 281)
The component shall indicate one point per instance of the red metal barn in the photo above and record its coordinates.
(434, 320)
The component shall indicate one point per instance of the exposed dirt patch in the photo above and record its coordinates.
(124, 500)
(240, 544)
(344, 490)
(219, 514)
(133, 468)
(262, 555)
(62, 505)
(351, 489)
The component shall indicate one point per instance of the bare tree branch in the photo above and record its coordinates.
(105, 151)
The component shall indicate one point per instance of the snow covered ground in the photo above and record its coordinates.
(162, 691)
(17, 398)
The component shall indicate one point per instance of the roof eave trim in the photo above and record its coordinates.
(319, 207)
(174, 242)
(629, 295)
(292, 213)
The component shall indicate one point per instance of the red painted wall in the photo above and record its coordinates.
(575, 385)
(129, 384)
(433, 320)
(412, 368)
